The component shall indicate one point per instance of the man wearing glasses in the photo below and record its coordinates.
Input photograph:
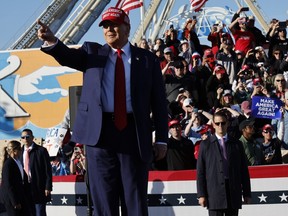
(222, 172)
(37, 165)
(271, 147)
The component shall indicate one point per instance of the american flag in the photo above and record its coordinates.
(196, 5)
(128, 5)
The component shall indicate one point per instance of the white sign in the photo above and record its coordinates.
(54, 139)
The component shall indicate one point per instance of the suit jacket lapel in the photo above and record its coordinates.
(215, 143)
(103, 52)
(135, 65)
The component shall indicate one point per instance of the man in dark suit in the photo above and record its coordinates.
(118, 157)
(222, 171)
(39, 171)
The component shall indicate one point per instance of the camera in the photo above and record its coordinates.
(171, 27)
(243, 80)
(270, 154)
(245, 9)
(77, 149)
(274, 20)
(257, 84)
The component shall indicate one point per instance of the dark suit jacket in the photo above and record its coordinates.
(147, 93)
(14, 190)
(41, 173)
(210, 175)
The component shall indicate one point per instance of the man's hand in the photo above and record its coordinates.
(247, 200)
(44, 33)
(47, 193)
(18, 206)
(202, 201)
(160, 151)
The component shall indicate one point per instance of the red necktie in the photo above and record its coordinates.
(120, 93)
(26, 163)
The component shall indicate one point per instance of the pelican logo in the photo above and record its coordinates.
(32, 87)
(11, 107)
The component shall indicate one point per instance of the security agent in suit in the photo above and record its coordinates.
(222, 172)
(15, 192)
(118, 160)
(40, 171)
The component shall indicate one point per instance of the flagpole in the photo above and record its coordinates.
(142, 17)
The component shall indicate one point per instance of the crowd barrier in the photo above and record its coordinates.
(173, 193)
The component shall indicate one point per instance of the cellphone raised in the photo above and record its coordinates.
(282, 24)
(245, 9)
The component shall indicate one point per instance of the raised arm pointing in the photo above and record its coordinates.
(44, 33)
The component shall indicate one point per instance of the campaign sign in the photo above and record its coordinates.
(54, 139)
(265, 107)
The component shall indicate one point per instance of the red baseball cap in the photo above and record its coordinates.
(206, 128)
(245, 67)
(267, 127)
(173, 122)
(115, 15)
(219, 69)
(257, 80)
(196, 55)
(208, 53)
(246, 107)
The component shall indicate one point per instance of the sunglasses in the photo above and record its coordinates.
(276, 53)
(25, 137)
(220, 123)
(282, 80)
(267, 131)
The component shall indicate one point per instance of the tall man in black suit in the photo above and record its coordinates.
(118, 156)
(39, 171)
(222, 171)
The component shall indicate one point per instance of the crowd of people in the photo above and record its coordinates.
(199, 81)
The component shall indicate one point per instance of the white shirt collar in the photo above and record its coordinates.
(30, 147)
(126, 49)
(219, 137)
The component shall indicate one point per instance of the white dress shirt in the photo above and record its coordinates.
(108, 80)
(20, 167)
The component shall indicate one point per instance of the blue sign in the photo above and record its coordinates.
(265, 107)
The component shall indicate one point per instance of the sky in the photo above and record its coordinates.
(17, 15)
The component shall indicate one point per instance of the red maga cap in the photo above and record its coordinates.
(173, 122)
(206, 128)
(219, 69)
(257, 80)
(208, 53)
(245, 67)
(267, 127)
(115, 15)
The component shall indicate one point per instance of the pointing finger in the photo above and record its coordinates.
(41, 23)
